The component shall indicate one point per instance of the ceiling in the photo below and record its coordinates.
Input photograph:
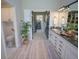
(45, 4)
(38, 4)
(5, 4)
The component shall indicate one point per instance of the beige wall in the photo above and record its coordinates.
(6, 14)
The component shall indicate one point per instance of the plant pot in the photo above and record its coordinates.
(25, 41)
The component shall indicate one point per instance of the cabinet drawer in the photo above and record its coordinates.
(50, 35)
(61, 42)
(59, 49)
(74, 51)
(61, 46)
(59, 53)
(55, 42)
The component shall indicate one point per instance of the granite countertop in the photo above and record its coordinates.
(71, 40)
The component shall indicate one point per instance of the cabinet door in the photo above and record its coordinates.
(67, 53)
(53, 38)
(74, 52)
(71, 52)
(61, 46)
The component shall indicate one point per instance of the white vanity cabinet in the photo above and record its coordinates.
(58, 42)
(53, 39)
(64, 48)
(71, 52)
(61, 47)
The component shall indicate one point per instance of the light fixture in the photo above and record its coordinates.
(67, 6)
(63, 8)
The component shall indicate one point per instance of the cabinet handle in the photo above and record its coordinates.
(55, 37)
(59, 49)
(61, 42)
(55, 40)
(59, 53)
(60, 45)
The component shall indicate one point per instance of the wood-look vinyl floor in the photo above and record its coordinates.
(38, 48)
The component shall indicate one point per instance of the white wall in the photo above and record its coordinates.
(28, 18)
(27, 15)
(51, 21)
(18, 39)
(3, 47)
(54, 19)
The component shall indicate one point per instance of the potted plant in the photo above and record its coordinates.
(24, 31)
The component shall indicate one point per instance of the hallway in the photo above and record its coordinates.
(39, 29)
(38, 48)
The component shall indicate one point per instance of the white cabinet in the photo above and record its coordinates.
(58, 42)
(61, 47)
(53, 38)
(71, 52)
(64, 48)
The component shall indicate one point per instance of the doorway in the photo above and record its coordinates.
(40, 22)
